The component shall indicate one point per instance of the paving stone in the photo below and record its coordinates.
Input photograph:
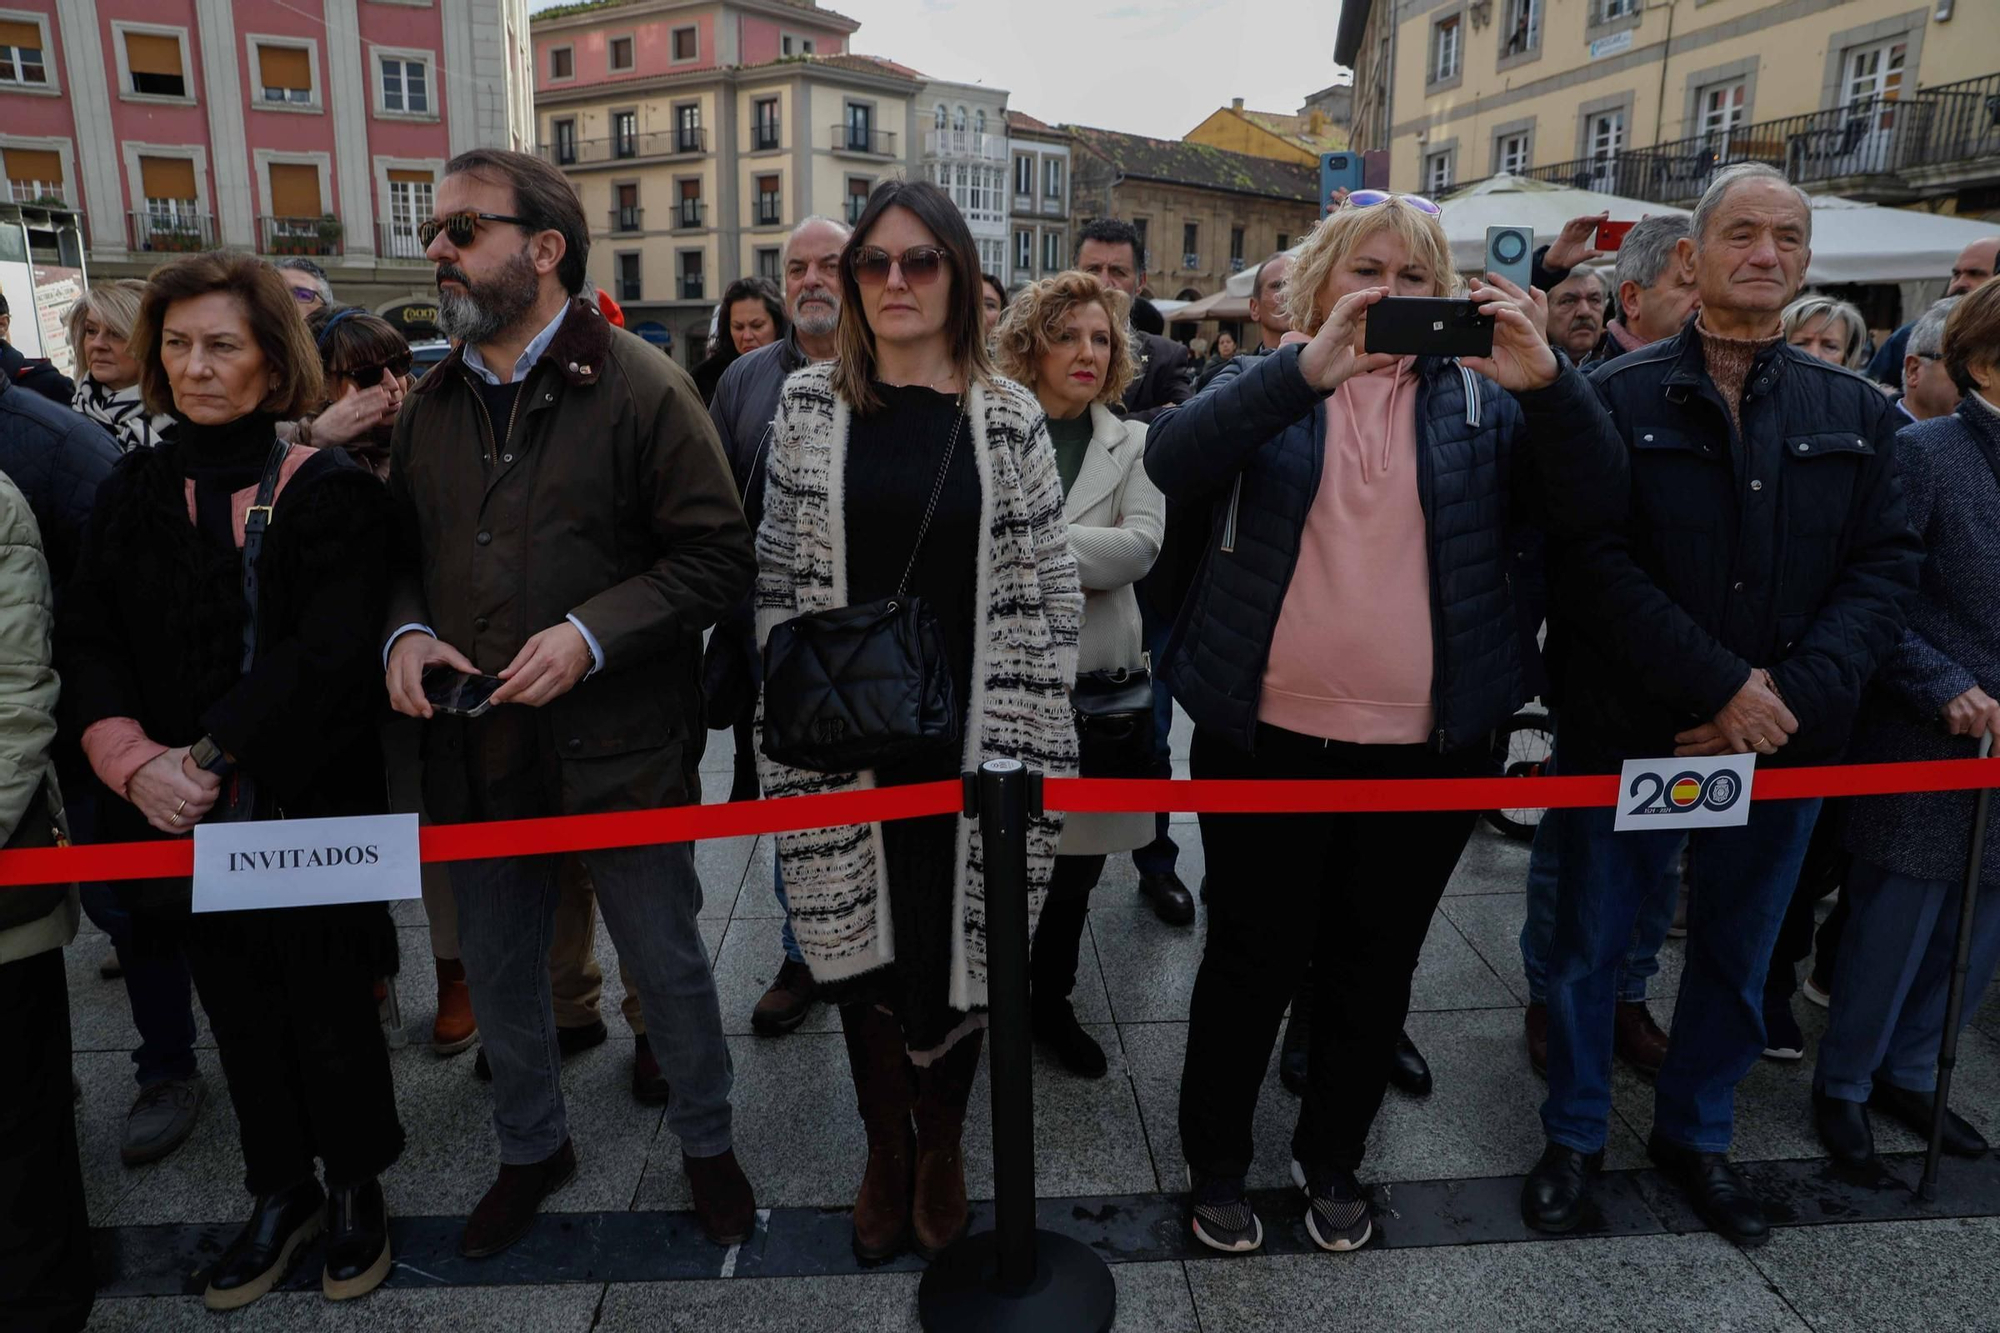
(883, 1302)
(1937, 1274)
(1148, 965)
(1491, 924)
(1491, 863)
(749, 960)
(1089, 1137)
(556, 1309)
(1451, 974)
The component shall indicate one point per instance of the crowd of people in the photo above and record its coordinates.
(1667, 502)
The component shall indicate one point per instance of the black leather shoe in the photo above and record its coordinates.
(1720, 1195)
(1914, 1110)
(1408, 1070)
(1844, 1129)
(1171, 901)
(357, 1241)
(1055, 1027)
(569, 1041)
(262, 1252)
(504, 1215)
(1552, 1196)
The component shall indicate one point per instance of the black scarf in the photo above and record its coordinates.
(221, 460)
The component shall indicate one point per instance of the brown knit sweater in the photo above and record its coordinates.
(1729, 361)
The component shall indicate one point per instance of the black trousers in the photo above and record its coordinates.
(1824, 871)
(1059, 930)
(46, 1280)
(1353, 894)
(297, 1032)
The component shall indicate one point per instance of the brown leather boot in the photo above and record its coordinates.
(1637, 1039)
(884, 1091)
(454, 1029)
(940, 1213)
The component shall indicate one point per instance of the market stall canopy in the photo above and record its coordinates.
(1221, 305)
(1515, 201)
(1856, 242)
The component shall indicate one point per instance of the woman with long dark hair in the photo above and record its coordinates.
(911, 421)
(751, 315)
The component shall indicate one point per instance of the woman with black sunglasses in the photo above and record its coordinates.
(909, 466)
(367, 366)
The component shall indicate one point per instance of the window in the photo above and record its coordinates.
(860, 127)
(691, 275)
(769, 213)
(979, 122)
(1437, 172)
(1052, 177)
(562, 63)
(799, 46)
(687, 43)
(958, 120)
(1190, 245)
(767, 264)
(1024, 176)
(1510, 153)
(33, 173)
(405, 86)
(939, 116)
(1444, 50)
(1722, 106)
(629, 286)
(1139, 229)
(1024, 250)
(1052, 252)
(687, 128)
(1874, 73)
(412, 198)
(624, 134)
(858, 190)
(565, 142)
(620, 53)
(625, 217)
(1236, 249)
(1284, 240)
(285, 74)
(21, 60)
(154, 62)
(690, 204)
(1607, 135)
(764, 124)
(1616, 9)
(1523, 31)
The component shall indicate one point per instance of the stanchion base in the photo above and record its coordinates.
(1072, 1291)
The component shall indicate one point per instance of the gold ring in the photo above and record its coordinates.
(174, 820)
(182, 806)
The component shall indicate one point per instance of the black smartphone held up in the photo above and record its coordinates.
(1510, 252)
(456, 693)
(1429, 326)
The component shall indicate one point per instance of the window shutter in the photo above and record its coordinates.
(405, 177)
(34, 164)
(295, 190)
(24, 36)
(150, 53)
(166, 177)
(284, 67)
(690, 189)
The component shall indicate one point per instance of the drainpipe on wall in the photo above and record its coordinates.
(1666, 55)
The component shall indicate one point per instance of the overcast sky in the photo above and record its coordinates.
(1154, 67)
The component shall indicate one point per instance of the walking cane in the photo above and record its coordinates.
(1954, 1006)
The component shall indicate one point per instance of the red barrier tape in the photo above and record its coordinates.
(639, 828)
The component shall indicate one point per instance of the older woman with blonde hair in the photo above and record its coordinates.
(1352, 618)
(100, 329)
(1065, 338)
(1829, 328)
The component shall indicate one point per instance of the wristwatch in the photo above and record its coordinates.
(209, 756)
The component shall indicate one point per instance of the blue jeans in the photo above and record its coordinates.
(1741, 882)
(1642, 959)
(650, 898)
(156, 986)
(1162, 854)
(791, 941)
(1890, 981)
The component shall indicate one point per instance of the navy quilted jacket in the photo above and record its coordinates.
(1250, 445)
(57, 457)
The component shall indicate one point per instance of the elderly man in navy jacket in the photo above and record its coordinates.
(1760, 580)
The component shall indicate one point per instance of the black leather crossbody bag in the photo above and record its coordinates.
(859, 687)
(1114, 722)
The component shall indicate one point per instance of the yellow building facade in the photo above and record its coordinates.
(1297, 138)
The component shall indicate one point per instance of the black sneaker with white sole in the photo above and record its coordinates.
(1222, 1216)
(1783, 1038)
(1338, 1214)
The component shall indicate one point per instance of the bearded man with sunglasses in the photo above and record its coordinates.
(569, 524)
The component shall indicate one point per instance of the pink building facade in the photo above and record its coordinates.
(313, 127)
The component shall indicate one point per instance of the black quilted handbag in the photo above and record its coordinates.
(859, 687)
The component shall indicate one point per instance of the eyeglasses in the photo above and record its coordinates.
(368, 377)
(462, 226)
(921, 264)
(306, 295)
(1370, 198)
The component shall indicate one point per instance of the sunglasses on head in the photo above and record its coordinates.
(1370, 198)
(368, 377)
(921, 264)
(462, 226)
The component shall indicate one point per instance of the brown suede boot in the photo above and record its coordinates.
(884, 1091)
(939, 1214)
(454, 1028)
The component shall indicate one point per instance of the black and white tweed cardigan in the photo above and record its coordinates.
(1030, 611)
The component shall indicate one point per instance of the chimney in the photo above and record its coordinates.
(1235, 104)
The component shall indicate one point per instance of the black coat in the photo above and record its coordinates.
(36, 374)
(1165, 377)
(1787, 547)
(1251, 447)
(58, 458)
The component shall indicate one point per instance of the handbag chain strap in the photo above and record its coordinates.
(937, 493)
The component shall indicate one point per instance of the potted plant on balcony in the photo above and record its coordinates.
(330, 232)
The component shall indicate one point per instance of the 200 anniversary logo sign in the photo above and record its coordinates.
(1685, 793)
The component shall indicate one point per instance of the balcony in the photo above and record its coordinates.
(625, 148)
(691, 287)
(764, 136)
(398, 240)
(856, 205)
(176, 232)
(863, 142)
(627, 219)
(768, 212)
(688, 215)
(969, 145)
(298, 235)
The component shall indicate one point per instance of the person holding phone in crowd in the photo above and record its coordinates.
(1352, 619)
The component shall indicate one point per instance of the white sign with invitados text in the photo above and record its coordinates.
(1659, 794)
(301, 862)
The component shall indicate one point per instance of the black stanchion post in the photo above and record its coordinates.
(1014, 1278)
(1954, 1008)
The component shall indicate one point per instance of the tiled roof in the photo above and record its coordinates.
(1021, 120)
(869, 65)
(586, 6)
(1196, 164)
(1297, 129)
